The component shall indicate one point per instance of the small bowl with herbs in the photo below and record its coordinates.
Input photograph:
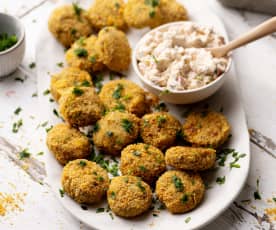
(12, 44)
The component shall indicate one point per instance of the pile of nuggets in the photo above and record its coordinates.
(124, 124)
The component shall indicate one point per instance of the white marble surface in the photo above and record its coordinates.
(256, 69)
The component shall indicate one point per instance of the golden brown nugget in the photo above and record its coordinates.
(67, 143)
(83, 55)
(129, 196)
(124, 94)
(115, 131)
(81, 106)
(189, 158)
(68, 77)
(206, 129)
(105, 13)
(172, 11)
(84, 181)
(142, 160)
(68, 23)
(180, 191)
(114, 49)
(159, 129)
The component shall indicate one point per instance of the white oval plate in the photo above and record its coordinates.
(217, 198)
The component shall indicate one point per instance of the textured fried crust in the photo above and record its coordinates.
(115, 131)
(114, 49)
(81, 110)
(143, 13)
(91, 62)
(159, 129)
(67, 26)
(84, 181)
(128, 196)
(107, 13)
(142, 160)
(124, 92)
(67, 143)
(206, 129)
(189, 158)
(178, 200)
(68, 77)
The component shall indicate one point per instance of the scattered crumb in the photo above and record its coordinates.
(11, 202)
(271, 212)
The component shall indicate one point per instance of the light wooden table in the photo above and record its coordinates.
(256, 70)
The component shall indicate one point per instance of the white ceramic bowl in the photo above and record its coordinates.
(178, 97)
(11, 58)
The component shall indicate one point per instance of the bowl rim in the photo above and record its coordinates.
(162, 89)
(20, 40)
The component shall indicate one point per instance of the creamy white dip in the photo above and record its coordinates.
(173, 57)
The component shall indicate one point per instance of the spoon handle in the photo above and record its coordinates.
(260, 31)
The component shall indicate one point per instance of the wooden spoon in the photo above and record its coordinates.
(258, 32)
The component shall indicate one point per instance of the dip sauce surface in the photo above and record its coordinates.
(174, 57)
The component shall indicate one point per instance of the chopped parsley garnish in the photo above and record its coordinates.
(154, 214)
(111, 215)
(188, 219)
(222, 157)
(140, 186)
(161, 107)
(152, 13)
(61, 192)
(16, 126)
(117, 5)
(81, 52)
(48, 129)
(119, 107)
(77, 91)
(99, 210)
(77, 9)
(81, 41)
(7, 41)
(161, 120)
(257, 195)
(55, 112)
(46, 92)
(184, 198)
(127, 125)
(40, 153)
(220, 180)
(51, 99)
(32, 65)
(166, 91)
(93, 59)
(19, 79)
(60, 64)
(100, 178)
(274, 199)
(152, 3)
(73, 31)
(17, 111)
(118, 91)
(143, 168)
(177, 183)
(82, 163)
(96, 128)
(109, 133)
(34, 94)
(85, 83)
(98, 82)
(113, 195)
(24, 154)
(136, 153)
(155, 59)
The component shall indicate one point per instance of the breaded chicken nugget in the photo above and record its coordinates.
(68, 23)
(83, 55)
(129, 196)
(180, 191)
(206, 129)
(107, 13)
(114, 49)
(189, 158)
(126, 94)
(68, 77)
(172, 11)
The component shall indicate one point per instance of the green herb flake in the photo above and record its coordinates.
(154, 214)
(136, 153)
(111, 215)
(257, 195)
(40, 153)
(152, 13)
(140, 186)
(161, 120)
(32, 65)
(34, 94)
(274, 199)
(118, 91)
(61, 192)
(113, 195)
(77, 9)
(220, 180)
(98, 79)
(60, 64)
(82, 163)
(77, 91)
(119, 107)
(73, 31)
(48, 129)
(152, 3)
(184, 198)
(100, 178)
(117, 5)
(143, 168)
(93, 59)
(24, 154)
(17, 111)
(109, 133)
(161, 107)
(155, 59)
(56, 112)
(16, 125)
(96, 128)
(177, 183)
(188, 219)
(46, 92)
(127, 125)
(81, 52)
(99, 210)
(7, 41)
(85, 83)
(19, 79)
